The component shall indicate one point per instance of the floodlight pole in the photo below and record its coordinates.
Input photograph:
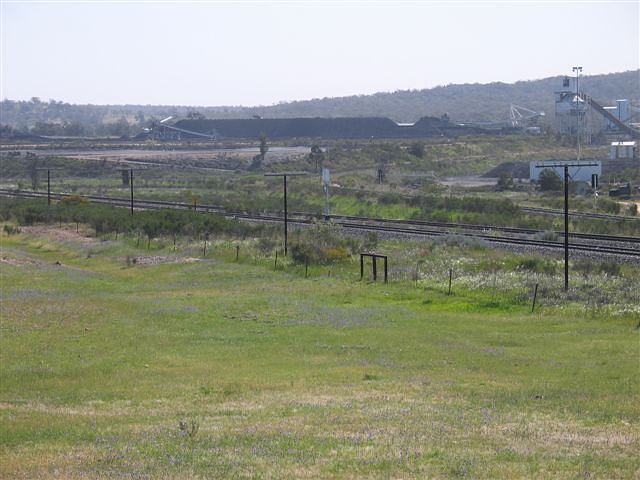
(578, 70)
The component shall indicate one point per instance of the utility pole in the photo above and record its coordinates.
(566, 227)
(284, 176)
(565, 166)
(131, 184)
(129, 172)
(48, 182)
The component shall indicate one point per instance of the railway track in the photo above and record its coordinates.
(601, 216)
(487, 228)
(489, 234)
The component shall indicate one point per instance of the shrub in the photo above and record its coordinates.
(537, 265)
(453, 240)
(74, 200)
(323, 244)
(548, 235)
(370, 241)
(11, 230)
(335, 254)
(266, 245)
(390, 198)
(417, 149)
(587, 267)
(610, 268)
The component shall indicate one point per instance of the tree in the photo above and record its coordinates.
(258, 159)
(151, 227)
(193, 115)
(264, 148)
(317, 156)
(505, 181)
(550, 181)
(33, 173)
(417, 149)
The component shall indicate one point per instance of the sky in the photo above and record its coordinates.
(263, 52)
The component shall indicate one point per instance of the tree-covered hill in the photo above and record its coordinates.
(463, 103)
(468, 102)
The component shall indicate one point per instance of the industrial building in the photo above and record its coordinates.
(621, 111)
(624, 150)
(578, 113)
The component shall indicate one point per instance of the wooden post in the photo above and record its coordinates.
(375, 269)
(385, 269)
(306, 267)
(535, 295)
(450, 277)
(237, 252)
(275, 264)
(361, 266)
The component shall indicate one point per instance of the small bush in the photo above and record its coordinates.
(587, 267)
(266, 245)
(610, 268)
(537, 265)
(390, 198)
(547, 235)
(74, 200)
(417, 149)
(11, 230)
(453, 240)
(336, 254)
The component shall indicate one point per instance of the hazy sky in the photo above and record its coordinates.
(251, 53)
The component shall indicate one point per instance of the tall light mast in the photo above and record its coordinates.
(578, 70)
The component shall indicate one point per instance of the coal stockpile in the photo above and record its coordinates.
(359, 127)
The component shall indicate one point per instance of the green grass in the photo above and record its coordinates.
(218, 369)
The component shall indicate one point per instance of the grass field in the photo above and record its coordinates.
(211, 368)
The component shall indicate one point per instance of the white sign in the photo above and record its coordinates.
(326, 177)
